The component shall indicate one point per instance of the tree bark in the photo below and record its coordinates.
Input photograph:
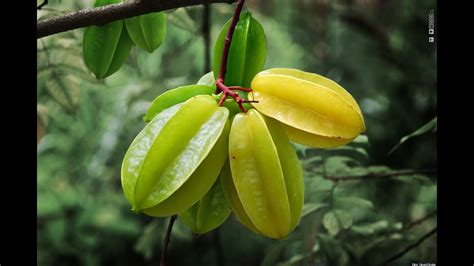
(102, 15)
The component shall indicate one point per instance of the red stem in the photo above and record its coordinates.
(220, 86)
(228, 39)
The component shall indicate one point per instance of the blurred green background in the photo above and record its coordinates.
(377, 50)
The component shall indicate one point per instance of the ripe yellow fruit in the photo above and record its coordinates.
(315, 111)
(265, 185)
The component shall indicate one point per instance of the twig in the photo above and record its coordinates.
(54, 10)
(410, 247)
(228, 39)
(419, 221)
(45, 2)
(382, 175)
(217, 248)
(167, 240)
(220, 85)
(102, 15)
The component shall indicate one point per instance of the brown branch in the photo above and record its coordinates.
(382, 175)
(167, 240)
(102, 15)
(419, 221)
(410, 247)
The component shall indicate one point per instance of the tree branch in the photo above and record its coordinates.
(382, 175)
(220, 85)
(167, 240)
(228, 40)
(410, 247)
(102, 15)
(45, 2)
(419, 221)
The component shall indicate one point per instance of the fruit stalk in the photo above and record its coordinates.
(220, 86)
(167, 240)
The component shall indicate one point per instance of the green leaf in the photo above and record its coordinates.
(65, 90)
(175, 96)
(431, 126)
(356, 153)
(361, 139)
(336, 220)
(147, 31)
(353, 201)
(41, 121)
(415, 178)
(312, 207)
(376, 227)
(247, 52)
(106, 48)
(181, 19)
(122, 51)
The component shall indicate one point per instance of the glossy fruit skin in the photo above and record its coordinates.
(266, 176)
(247, 51)
(315, 111)
(166, 153)
(147, 31)
(209, 212)
(232, 197)
(175, 96)
(106, 48)
(198, 183)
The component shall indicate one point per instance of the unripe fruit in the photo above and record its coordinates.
(170, 151)
(247, 52)
(175, 96)
(209, 212)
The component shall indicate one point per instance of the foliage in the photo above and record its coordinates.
(374, 49)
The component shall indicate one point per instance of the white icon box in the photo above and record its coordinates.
(431, 39)
(431, 31)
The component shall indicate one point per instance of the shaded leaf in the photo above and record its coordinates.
(147, 31)
(41, 121)
(181, 19)
(312, 207)
(350, 202)
(65, 90)
(428, 127)
(336, 220)
(371, 228)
